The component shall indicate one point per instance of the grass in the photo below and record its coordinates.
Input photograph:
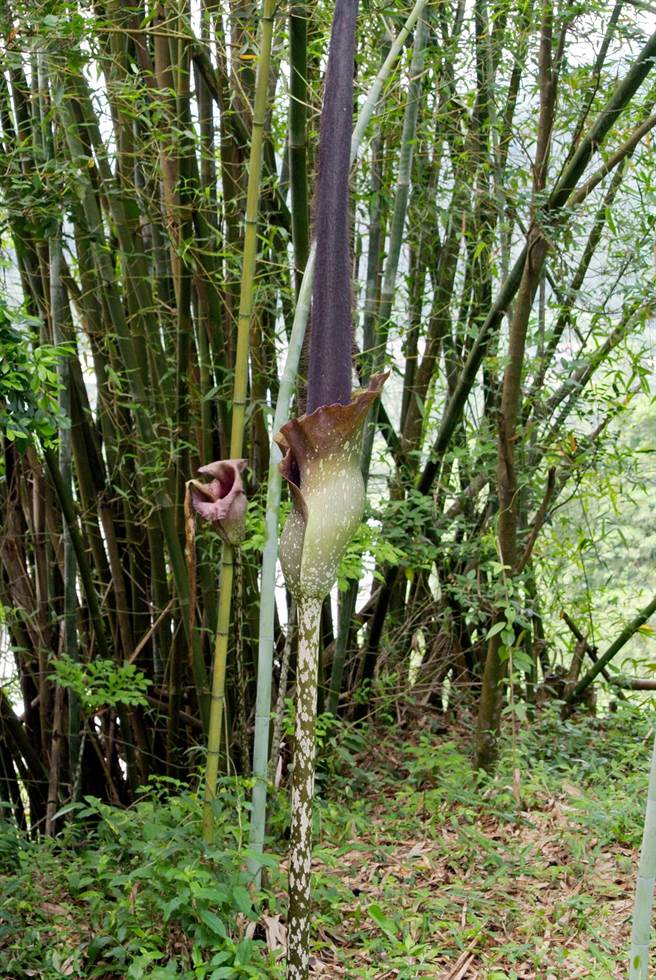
(421, 867)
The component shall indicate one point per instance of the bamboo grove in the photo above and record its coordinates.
(501, 226)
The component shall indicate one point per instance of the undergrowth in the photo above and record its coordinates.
(132, 893)
(420, 864)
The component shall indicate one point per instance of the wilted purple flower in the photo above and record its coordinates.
(223, 501)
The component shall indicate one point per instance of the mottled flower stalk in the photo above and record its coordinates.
(300, 843)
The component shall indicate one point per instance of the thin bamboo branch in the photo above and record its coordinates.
(298, 90)
(613, 650)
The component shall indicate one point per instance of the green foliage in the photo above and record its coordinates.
(101, 683)
(369, 547)
(28, 383)
(404, 525)
(127, 894)
(595, 549)
(10, 842)
(255, 531)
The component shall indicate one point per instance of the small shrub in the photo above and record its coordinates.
(131, 894)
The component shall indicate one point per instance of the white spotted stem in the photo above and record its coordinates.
(300, 850)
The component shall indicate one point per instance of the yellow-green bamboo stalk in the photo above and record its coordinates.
(246, 295)
(217, 700)
(247, 290)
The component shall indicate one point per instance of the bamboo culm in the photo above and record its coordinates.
(69, 626)
(397, 225)
(644, 893)
(247, 290)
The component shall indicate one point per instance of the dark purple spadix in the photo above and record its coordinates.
(331, 340)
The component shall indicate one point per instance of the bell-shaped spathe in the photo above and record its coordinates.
(322, 467)
(223, 501)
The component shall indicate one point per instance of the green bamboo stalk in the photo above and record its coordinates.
(276, 739)
(270, 554)
(247, 290)
(58, 312)
(373, 94)
(246, 295)
(67, 504)
(347, 601)
(55, 760)
(397, 225)
(298, 88)
(403, 179)
(217, 697)
(374, 250)
(211, 337)
(644, 893)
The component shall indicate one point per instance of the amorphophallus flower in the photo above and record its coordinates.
(321, 462)
(223, 500)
